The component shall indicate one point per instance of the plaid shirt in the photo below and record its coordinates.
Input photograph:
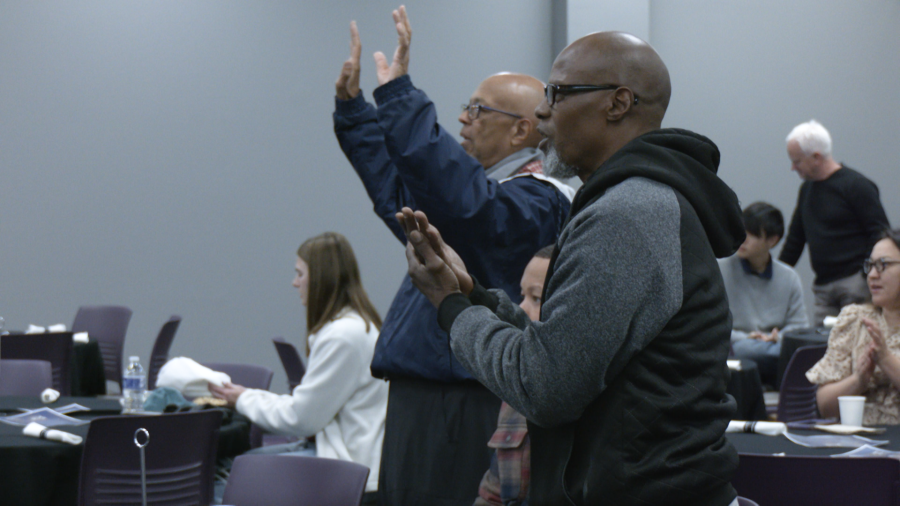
(506, 482)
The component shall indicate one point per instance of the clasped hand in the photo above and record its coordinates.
(435, 269)
(347, 84)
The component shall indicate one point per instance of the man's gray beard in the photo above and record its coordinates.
(556, 168)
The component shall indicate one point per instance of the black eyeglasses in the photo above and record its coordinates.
(879, 264)
(552, 91)
(474, 110)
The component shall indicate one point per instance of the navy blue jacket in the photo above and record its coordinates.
(404, 158)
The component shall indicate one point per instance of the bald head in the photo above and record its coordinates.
(494, 135)
(587, 127)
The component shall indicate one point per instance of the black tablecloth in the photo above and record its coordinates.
(768, 445)
(39, 472)
(87, 377)
(792, 340)
(746, 388)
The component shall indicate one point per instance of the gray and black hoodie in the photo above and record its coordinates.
(623, 378)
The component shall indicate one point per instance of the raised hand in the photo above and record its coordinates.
(410, 221)
(400, 65)
(429, 271)
(347, 84)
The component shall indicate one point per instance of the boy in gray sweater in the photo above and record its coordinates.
(764, 294)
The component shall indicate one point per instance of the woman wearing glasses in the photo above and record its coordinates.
(863, 356)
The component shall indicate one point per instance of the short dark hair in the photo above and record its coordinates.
(761, 218)
(545, 252)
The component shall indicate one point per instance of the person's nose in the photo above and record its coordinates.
(542, 111)
(464, 117)
(296, 282)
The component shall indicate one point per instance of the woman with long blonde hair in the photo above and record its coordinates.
(338, 400)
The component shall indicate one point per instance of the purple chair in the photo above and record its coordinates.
(797, 398)
(160, 353)
(251, 376)
(743, 501)
(55, 348)
(288, 480)
(789, 481)
(180, 459)
(106, 324)
(291, 361)
(25, 377)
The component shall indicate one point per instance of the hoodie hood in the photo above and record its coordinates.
(685, 161)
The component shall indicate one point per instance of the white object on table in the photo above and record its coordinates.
(829, 321)
(767, 428)
(59, 327)
(80, 337)
(734, 365)
(189, 377)
(39, 431)
(35, 329)
(851, 408)
(49, 395)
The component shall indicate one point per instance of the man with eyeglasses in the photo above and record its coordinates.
(496, 209)
(623, 379)
(838, 214)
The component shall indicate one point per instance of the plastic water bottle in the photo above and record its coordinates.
(134, 384)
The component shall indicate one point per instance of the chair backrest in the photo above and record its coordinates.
(291, 361)
(288, 480)
(743, 501)
(797, 398)
(248, 375)
(180, 459)
(160, 353)
(25, 377)
(774, 481)
(106, 324)
(55, 348)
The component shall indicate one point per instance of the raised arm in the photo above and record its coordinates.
(362, 141)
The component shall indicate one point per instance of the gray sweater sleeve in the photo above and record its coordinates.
(616, 283)
(796, 313)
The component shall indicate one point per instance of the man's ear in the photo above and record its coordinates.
(622, 102)
(521, 131)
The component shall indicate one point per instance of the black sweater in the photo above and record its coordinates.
(841, 218)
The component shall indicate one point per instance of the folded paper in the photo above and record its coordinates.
(767, 428)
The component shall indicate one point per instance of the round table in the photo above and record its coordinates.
(770, 445)
(794, 339)
(38, 472)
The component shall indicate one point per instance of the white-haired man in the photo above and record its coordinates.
(838, 213)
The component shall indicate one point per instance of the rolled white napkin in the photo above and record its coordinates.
(734, 365)
(767, 428)
(49, 395)
(189, 377)
(35, 329)
(829, 321)
(39, 431)
(80, 337)
(59, 327)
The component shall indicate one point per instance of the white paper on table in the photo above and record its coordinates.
(847, 429)
(72, 408)
(829, 321)
(189, 377)
(39, 431)
(44, 416)
(35, 329)
(767, 428)
(80, 337)
(734, 365)
(832, 441)
(58, 327)
(869, 451)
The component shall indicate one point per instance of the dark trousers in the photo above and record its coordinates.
(435, 442)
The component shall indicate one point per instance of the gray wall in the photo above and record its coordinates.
(171, 156)
(745, 73)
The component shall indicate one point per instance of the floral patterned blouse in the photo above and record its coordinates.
(848, 340)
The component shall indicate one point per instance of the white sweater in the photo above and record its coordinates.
(338, 400)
